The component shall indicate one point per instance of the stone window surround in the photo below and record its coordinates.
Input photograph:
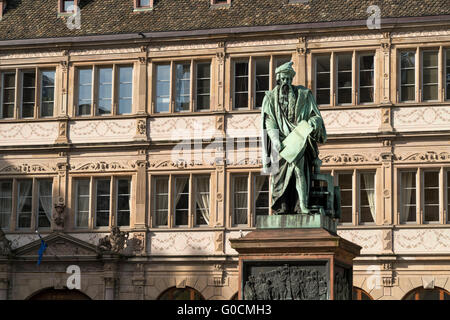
(356, 176)
(444, 218)
(73, 83)
(356, 53)
(35, 205)
(193, 76)
(18, 91)
(443, 51)
(139, 7)
(251, 218)
(61, 7)
(251, 59)
(171, 209)
(72, 194)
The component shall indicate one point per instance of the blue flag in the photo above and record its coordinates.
(41, 249)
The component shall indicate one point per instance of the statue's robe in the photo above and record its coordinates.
(274, 118)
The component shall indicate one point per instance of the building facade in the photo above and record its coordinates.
(147, 118)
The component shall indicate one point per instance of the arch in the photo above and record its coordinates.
(421, 293)
(175, 293)
(360, 294)
(58, 294)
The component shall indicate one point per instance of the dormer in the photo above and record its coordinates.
(67, 6)
(220, 3)
(143, 5)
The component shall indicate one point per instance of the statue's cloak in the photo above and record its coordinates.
(273, 118)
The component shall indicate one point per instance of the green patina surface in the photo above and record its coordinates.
(296, 221)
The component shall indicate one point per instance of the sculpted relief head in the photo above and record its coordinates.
(285, 73)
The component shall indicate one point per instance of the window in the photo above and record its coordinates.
(345, 78)
(28, 94)
(323, 79)
(345, 184)
(407, 69)
(252, 78)
(24, 203)
(181, 201)
(359, 294)
(123, 202)
(448, 196)
(431, 196)
(427, 294)
(94, 199)
(47, 93)
(185, 211)
(366, 78)
(8, 95)
(108, 88)
(82, 203)
(430, 75)
(182, 86)
(447, 73)
(67, 6)
(103, 202)
(244, 212)
(144, 3)
(5, 202)
(203, 88)
(408, 197)
(240, 194)
(45, 205)
(367, 207)
(220, 2)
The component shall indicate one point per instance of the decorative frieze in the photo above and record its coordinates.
(28, 168)
(102, 166)
(421, 118)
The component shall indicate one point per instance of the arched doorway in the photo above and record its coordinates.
(180, 294)
(59, 294)
(427, 294)
(360, 294)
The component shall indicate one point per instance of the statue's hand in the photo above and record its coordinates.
(312, 123)
(276, 145)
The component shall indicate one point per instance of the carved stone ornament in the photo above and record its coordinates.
(287, 283)
(5, 244)
(59, 214)
(341, 287)
(141, 127)
(114, 242)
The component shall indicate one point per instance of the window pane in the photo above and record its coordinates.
(161, 201)
(261, 195)
(430, 75)
(345, 185)
(28, 94)
(125, 89)
(407, 66)
(261, 80)
(279, 61)
(144, 3)
(5, 202)
(344, 78)
(84, 91)
(45, 206)
(431, 196)
(47, 93)
(102, 203)
(202, 197)
(24, 203)
(123, 202)
(366, 79)
(68, 5)
(203, 86)
(183, 86)
(162, 88)
(240, 200)
(367, 197)
(181, 201)
(104, 91)
(82, 203)
(241, 85)
(323, 79)
(408, 186)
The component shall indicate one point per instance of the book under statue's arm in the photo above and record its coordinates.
(295, 142)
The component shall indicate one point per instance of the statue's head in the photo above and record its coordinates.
(285, 73)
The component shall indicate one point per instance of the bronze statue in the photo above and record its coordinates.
(292, 127)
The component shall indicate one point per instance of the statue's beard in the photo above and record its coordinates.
(285, 88)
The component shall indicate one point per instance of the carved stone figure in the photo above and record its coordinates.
(342, 288)
(249, 289)
(292, 127)
(5, 244)
(59, 214)
(115, 242)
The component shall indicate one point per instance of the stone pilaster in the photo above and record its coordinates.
(60, 195)
(387, 183)
(300, 61)
(141, 196)
(141, 77)
(220, 74)
(63, 128)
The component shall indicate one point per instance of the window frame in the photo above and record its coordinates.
(422, 68)
(95, 82)
(113, 195)
(172, 84)
(422, 200)
(359, 196)
(171, 197)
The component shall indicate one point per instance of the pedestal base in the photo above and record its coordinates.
(295, 264)
(296, 221)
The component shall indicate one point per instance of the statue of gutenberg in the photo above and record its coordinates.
(291, 111)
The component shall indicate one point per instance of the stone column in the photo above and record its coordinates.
(387, 183)
(110, 287)
(141, 193)
(300, 61)
(110, 275)
(4, 284)
(220, 74)
(141, 80)
(60, 195)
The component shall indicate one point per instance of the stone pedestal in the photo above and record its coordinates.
(295, 263)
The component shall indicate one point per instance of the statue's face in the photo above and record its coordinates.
(285, 79)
